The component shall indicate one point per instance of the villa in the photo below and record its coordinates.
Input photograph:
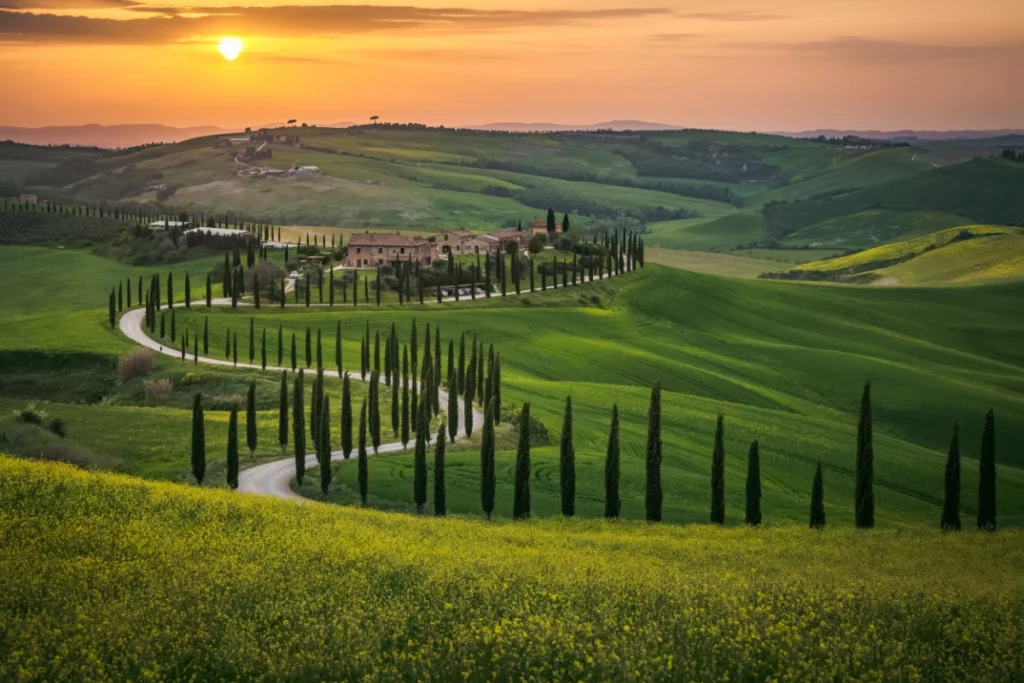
(372, 249)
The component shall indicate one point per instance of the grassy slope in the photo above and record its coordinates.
(870, 228)
(784, 362)
(705, 262)
(112, 578)
(993, 254)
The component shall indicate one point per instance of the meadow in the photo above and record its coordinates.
(108, 577)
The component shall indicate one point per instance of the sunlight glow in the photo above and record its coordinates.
(230, 47)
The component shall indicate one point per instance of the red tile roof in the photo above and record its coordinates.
(383, 239)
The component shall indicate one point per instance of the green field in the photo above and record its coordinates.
(729, 265)
(105, 577)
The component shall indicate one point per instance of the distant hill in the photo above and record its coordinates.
(516, 127)
(111, 137)
(896, 135)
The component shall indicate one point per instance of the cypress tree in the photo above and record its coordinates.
(375, 410)
(951, 501)
(653, 495)
(324, 445)
(467, 407)
(299, 427)
(612, 503)
(487, 474)
(250, 418)
(206, 335)
(234, 348)
(319, 350)
(309, 347)
(337, 345)
(567, 463)
(280, 346)
(295, 355)
(452, 377)
(718, 474)
(282, 412)
(174, 325)
(753, 516)
(209, 291)
(252, 340)
(818, 501)
(864, 497)
(232, 469)
(480, 386)
(376, 352)
(320, 285)
(227, 346)
(987, 476)
(405, 397)
(440, 497)
(346, 416)
(551, 222)
(496, 386)
(120, 296)
(419, 481)
(521, 498)
(198, 440)
(453, 407)
(396, 405)
(263, 350)
(565, 224)
(307, 290)
(195, 351)
(161, 320)
(461, 387)
(256, 291)
(170, 290)
(112, 311)
(362, 453)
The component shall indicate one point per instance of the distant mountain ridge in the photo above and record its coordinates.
(516, 127)
(932, 135)
(96, 135)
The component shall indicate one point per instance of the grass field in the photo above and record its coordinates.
(728, 265)
(106, 577)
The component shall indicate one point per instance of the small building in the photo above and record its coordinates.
(539, 227)
(520, 238)
(308, 170)
(167, 225)
(372, 249)
(28, 199)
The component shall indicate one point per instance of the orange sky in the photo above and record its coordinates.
(737, 64)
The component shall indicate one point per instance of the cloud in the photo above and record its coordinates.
(65, 4)
(672, 37)
(736, 15)
(170, 24)
(854, 48)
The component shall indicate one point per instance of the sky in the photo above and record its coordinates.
(728, 64)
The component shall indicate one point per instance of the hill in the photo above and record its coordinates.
(108, 577)
(970, 255)
(112, 136)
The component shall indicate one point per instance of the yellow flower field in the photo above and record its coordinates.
(104, 577)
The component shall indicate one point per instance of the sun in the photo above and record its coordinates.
(230, 47)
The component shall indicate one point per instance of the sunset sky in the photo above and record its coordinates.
(736, 64)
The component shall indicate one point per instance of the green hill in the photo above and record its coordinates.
(107, 577)
(969, 255)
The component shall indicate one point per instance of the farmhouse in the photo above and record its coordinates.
(462, 242)
(167, 225)
(498, 239)
(372, 249)
(539, 227)
(28, 199)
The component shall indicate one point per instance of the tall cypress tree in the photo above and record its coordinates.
(319, 351)
(718, 474)
(461, 388)
(295, 354)
(951, 500)
(198, 440)
(818, 501)
(419, 481)
(232, 469)
(309, 347)
(567, 463)
(282, 412)
(987, 476)
(521, 498)
(346, 416)
(440, 497)
(250, 418)
(324, 445)
(496, 387)
(299, 427)
(612, 503)
(487, 474)
(375, 410)
(396, 407)
(864, 497)
(234, 348)
(206, 335)
(209, 291)
(263, 350)
(337, 345)
(363, 474)
(452, 377)
(653, 497)
(280, 346)
(753, 516)
(404, 427)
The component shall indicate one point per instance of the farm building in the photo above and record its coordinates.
(167, 225)
(372, 249)
(539, 227)
(461, 242)
(28, 199)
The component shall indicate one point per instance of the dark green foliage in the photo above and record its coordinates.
(232, 468)
(718, 474)
(612, 503)
(440, 497)
(461, 386)
(567, 463)
(987, 476)
(496, 387)
(487, 473)
(112, 309)
(419, 481)
(467, 405)
(206, 336)
(299, 428)
(337, 343)
(818, 501)
(753, 515)
(280, 346)
(282, 412)
(864, 496)
(198, 440)
(324, 445)
(404, 427)
(250, 418)
(209, 291)
(362, 453)
(653, 496)
(375, 410)
(346, 416)
(295, 354)
(951, 500)
(453, 406)
(234, 348)
(309, 347)
(263, 350)
(521, 495)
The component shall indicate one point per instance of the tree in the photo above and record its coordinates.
(209, 291)
(280, 345)
(295, 355)
(951, 500)
(404, 426)
(346, 416)
(551, 222)
(309, 347)
(567, 463)
(453, 407)
(440, 497)
(375, 410)
(818, 501)
(337, 344)
(718, 474)
(232, 469)
(324, 445)
(319, 350)
(987, 476)
(461, 387)
(250, 418)
(612, 503)
(864, 497)
(753, 516)
(521, 497)
(299, 427)
(198, 440)
(263, 350)
(282, 412)
(255, 291)
(653, 496)
(396, 406)
(113, 310)
(170, 290)
(565, 224)
(362, 453)
(419, 481)
(496, 387)
(487, 480)
(206, 335)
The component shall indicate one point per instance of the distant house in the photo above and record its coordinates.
(308, 170)
(167, 225)
(539, 227)
(520, 238)
(240, 141)
(455, 241)
(217, 231)
(372, 249)
(28, 199)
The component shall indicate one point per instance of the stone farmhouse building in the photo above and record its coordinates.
(372, 249)
(463, 242)
(539, 227)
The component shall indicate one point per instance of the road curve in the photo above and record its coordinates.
(272, 478)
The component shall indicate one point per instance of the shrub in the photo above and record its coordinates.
(226, 402)
(159, 390)
(136, 363)
(30, 415)
(537, 243)
(538, 432)
(58, 427)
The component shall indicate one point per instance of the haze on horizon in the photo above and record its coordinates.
(736, 64)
